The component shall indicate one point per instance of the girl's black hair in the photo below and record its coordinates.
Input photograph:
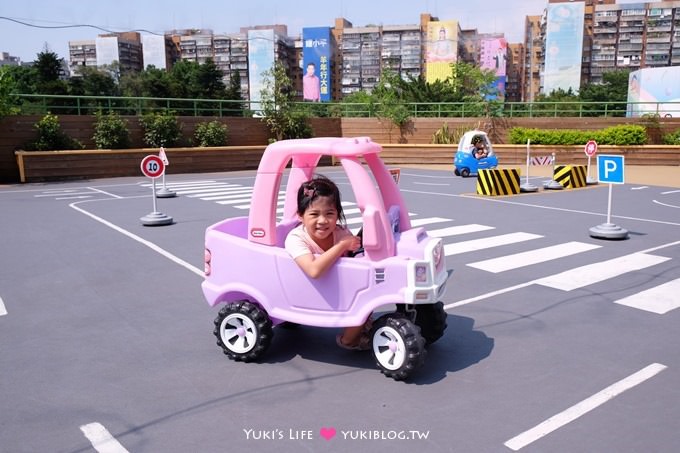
(319, 186)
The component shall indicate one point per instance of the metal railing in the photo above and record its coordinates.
(39, 104)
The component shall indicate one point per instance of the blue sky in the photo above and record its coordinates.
(224, 16)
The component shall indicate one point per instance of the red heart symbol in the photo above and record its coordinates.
(327, 433)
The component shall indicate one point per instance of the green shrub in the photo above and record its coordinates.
(111, 132)
(213, 133)
(615, 135)
(161, 129)
(51, 137)
(673, 138)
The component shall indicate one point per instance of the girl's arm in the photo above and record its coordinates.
(316, 266)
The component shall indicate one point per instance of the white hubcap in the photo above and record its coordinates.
(238, 333)
(389, 348)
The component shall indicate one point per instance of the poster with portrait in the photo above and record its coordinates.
(316, 67)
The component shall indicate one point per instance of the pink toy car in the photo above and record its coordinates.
(259, 285)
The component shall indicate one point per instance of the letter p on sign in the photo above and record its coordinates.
(610, 169)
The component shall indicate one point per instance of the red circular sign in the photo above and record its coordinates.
(152, 166)
(591, 148)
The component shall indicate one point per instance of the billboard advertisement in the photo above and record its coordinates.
(493, 54)
(654, 91)
(260, 59)
(442, 49)
(563, 47)
(316, 64)
(107, 50)
(153, 51)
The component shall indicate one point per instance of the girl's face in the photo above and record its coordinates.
(320, 220)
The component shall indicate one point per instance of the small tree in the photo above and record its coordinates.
(277, 97)
(111, 132)
(7, 103)
(213, 133)
(51, 137)
(161, 129)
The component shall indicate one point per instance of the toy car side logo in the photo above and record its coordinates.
(257, 233)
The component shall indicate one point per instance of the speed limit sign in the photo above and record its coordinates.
(591, 148)
(152, 166)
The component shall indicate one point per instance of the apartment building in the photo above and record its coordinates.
(514, 70)
(635, 36)
(124, 48)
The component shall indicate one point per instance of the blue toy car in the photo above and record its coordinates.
(465, 161)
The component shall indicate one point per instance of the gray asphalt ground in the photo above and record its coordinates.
(104, 330)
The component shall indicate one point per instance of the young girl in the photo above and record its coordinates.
(318, 242)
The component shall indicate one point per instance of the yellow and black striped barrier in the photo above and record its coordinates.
(570, 176)
(498, 182)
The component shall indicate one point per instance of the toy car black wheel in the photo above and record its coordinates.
(431, 318)
(398, 347)
(243, 330)
(456, 172)
(465, 172)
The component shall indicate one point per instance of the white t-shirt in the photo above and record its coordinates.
(298, 242)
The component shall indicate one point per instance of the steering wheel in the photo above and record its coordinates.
(360, 250)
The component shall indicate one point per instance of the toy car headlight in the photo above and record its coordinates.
(438, 256)
(207, 258)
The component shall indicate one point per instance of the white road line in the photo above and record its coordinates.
(207, 190)
(529, 283)
(531, 257)
(431, 183)
(219, 195)
(666, 204)
(54, 194)
(74, 198)
(670, 191)
(597, 272)
(243, 199)
(660, 299)
(3, 310)
(428, 221)
(557, 421)
(485, 243)
(104, 192)
(101, 439)
(196, 183)
(639, 188)
(459, 229)
(149, 244)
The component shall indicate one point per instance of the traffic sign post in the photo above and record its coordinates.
(590, 150)
(164, 192)
(610, 169)
(152, 167)
(527, 186)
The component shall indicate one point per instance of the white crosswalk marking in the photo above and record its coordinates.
(459, 229)
(597, 272)
(217, 195)
(205, 190)
(660, 299)
(428, 221)
(485, 243)
(517, 260)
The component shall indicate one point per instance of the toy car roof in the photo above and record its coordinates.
(314, 147)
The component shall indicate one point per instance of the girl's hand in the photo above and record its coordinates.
(351, 243)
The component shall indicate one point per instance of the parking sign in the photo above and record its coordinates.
(610, 169)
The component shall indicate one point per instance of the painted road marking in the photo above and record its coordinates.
(508, 262)
(143, 241)
(101, 439)
(485, 243)
(3, 310)
(218, 195)
(597, 272)
(557, 421)
(428, 221)
(459, 229)
(660, 299)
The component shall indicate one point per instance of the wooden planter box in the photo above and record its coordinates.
(36, 166)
